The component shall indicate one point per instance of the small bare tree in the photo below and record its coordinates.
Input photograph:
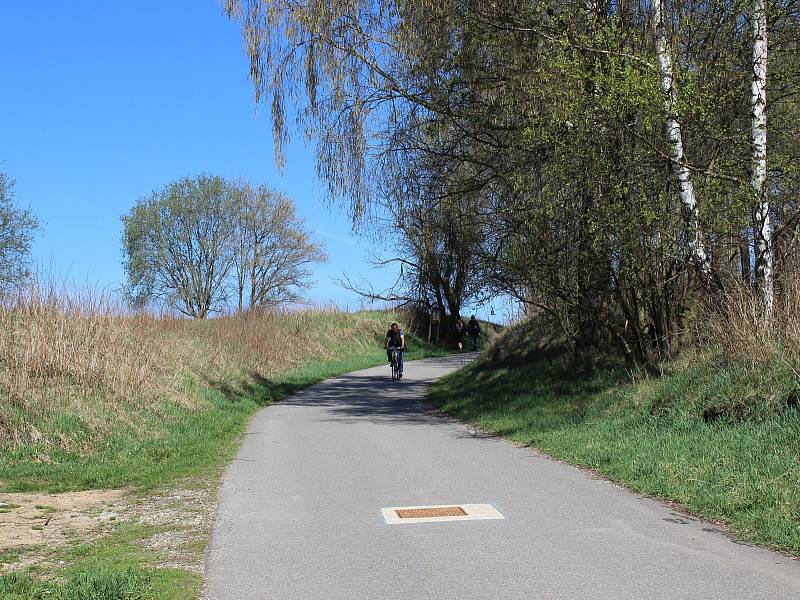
(272, 249)
(431, 229)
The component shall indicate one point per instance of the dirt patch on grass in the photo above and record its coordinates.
(34, 527)
(54, 519)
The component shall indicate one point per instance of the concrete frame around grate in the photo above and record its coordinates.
(474, 512)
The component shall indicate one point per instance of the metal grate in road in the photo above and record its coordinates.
(430, 512)
(439, 513)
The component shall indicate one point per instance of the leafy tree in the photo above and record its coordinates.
(199, 242)
(177, 244)
(17, 228)
(613, 153)
(272, 249)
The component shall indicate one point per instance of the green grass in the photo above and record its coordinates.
(721, 440)
(112, 568)
(97, 585)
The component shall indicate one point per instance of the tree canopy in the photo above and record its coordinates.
(199, 242)
(17, 228)
(613, 154)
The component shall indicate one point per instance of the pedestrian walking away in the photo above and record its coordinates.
(395, 340)
(473, 330)
(459, 333)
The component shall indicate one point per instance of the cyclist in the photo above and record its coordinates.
(395, 339)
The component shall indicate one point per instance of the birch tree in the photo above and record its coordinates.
(763, 224)
(572, 137)
(682, 173)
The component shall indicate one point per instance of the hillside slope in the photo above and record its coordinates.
(114, 431)
(719, 438)
(102, 401)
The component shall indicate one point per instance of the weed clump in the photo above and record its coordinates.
(752, 357)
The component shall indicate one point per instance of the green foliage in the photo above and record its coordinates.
(550, 123)
(175, 244)
(17, 228)
(201, 241)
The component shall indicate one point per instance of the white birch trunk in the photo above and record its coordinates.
(675, 139)
(763, 225)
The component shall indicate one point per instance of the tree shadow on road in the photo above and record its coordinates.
(257, 388)
(350, 398)
(364, 398)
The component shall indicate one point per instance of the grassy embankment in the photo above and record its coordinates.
(92, 399)
(719, 432)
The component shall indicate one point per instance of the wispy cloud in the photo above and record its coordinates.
(350, 241)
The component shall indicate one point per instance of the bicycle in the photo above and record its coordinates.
(395, 362)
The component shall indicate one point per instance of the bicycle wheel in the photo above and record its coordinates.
(395, 367)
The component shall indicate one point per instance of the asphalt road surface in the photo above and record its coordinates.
(299, 514)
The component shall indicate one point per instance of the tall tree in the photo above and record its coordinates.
(609, 147)
(177, 244)
(763, 225)
(686, 189)
(272, 249)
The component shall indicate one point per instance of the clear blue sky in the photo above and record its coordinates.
(102, 102)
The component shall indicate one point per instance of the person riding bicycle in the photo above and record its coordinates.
(395, 340)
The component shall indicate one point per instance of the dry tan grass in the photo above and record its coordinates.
(59, 349)
(82, 354)
(48, 339)
(736, 325)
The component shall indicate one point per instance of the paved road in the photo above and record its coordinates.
(299, 514)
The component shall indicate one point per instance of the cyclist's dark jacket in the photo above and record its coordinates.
(394, 338)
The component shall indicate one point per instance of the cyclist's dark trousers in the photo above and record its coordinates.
(399, 358)
(474, 340)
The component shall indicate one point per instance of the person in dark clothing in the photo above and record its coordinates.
(473, 330)
(459, 331)
(395, 339)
